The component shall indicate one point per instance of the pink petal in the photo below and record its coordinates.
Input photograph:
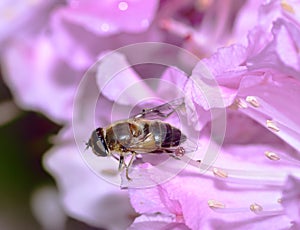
(185, 197)
(291, 198)
(147, 200)
(172, 83)
(39, 79)
(118, 81)
(110, 17)
(23, 17)
(281, 53)
(277, 97)
(80, 47)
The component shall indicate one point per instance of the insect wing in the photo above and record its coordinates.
(189, 146)
(171, 139)
(163, 111)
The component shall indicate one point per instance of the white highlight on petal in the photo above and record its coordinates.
(145, 23)
(104, 27)
(123, 6)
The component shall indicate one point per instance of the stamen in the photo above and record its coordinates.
(272, 126)
(239, 104)
(279, 200)
(287, 7)
(239, 176)
(268, 210)
(251, 177)
(203, 5)
(276, 157)
(252, 101)
(272, 156)
(177, 28)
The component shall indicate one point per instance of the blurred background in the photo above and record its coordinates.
(24, 137)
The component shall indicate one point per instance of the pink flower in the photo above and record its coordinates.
(243, 188)
(247, 179)
(69, 39)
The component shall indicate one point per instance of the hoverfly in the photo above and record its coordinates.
(143, 133)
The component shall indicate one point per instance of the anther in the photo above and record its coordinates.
(287, 7)
(272, 156)
(252, 101)
(272, 126)
(239, 104)
(214, 204)
(220, 173)
(256, 208)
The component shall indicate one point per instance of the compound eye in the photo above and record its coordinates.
(98, 145)
(99, 149)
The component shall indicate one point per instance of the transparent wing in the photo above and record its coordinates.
(163, 111)
(187, 146)
(146, 145)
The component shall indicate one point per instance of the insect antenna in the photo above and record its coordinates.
(87, 145)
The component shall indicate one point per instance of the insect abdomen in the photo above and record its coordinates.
(165, 135)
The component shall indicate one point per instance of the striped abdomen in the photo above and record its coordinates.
(165, 135)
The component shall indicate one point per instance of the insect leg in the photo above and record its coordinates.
(121, 162)
(162, 111)
(118, 159)
(155, 112)
(129, 164)
(176, 153)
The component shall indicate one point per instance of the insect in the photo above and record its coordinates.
(143, 133)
